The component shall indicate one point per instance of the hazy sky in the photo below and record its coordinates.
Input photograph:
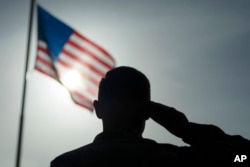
(196, 54)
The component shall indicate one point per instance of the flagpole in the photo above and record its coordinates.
(20, 133)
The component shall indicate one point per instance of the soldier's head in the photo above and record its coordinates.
(124, 96)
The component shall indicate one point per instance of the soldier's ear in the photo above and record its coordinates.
(97, 109)
(148, 111)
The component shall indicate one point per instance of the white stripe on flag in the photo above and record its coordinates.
(84, 86)
(44, 56)
(42, 44)
(46, 69)
(72, 63)
(83, 102)
(43, 62)
(74, 38)
(85, 57)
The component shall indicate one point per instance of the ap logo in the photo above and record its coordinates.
(240, 158)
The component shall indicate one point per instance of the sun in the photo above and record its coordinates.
(71, 80)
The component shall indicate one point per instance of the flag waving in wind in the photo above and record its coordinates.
(70, 58)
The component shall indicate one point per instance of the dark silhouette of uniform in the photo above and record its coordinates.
(124, 104)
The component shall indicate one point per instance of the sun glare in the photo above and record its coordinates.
(71, 80)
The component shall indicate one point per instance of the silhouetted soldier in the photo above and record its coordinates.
(124, 104)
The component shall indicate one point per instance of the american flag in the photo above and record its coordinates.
(71, 58)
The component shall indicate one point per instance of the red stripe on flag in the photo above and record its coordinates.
(95, 45)
(45, 72)
(83, 98)
(93, 68)
(89, 53)
(91, 91)
(90, 107)
(65, 64)
(43, 61)
(42, 49)
(84, 87)
(69, 66)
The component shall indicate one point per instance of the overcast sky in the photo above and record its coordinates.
(196, 54)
